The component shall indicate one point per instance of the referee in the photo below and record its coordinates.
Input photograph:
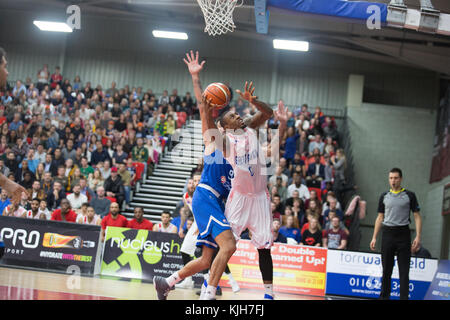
(394, 218)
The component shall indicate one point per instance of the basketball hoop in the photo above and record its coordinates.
(218, 15)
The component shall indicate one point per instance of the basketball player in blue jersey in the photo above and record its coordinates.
(207, 205)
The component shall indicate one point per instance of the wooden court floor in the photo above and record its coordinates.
(22, 284)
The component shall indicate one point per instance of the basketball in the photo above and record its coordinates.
(218, 93)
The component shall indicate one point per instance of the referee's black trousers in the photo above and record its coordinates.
(396, 241)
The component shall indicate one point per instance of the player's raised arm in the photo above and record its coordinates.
(195, 68)
(264, 113)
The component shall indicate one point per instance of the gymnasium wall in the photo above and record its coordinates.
(433, 229)
(125, 51)
(384, 137)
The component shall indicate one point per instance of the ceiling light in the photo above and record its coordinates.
(52, 26)
(291, 45)
(170, 35)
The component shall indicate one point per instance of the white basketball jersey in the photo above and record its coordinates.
(243, 155)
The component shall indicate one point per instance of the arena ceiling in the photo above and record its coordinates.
(388, 44)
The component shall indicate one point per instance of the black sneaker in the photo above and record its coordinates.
(162, 287)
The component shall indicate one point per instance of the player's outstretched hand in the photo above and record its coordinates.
(192, 63)
(249, 90)
(209, 106)
(17, 193)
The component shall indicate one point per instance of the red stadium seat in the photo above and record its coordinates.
(111, 199)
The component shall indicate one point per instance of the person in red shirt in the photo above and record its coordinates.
(113, 219)
(65, 213)
(139, 222)
(56, 78)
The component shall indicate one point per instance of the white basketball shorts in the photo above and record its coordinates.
(253, 212)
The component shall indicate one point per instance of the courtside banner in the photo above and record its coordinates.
(142, 254)
(359, 274)
(440, 286)
(296, 269)
(49, 245)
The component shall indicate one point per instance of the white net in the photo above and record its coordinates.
(218, 15)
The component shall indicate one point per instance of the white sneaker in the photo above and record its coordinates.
(187, 283)
(234, 285)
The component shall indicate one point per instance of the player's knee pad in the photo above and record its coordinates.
(265, 264)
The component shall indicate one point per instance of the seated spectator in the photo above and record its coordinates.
(33, 213)
(105, 169)
(43, 210)
(69, 152)
(284, 167)
(4, 200)
(139, 153)
(298, 186)
(332, 206)
(95, 180)
(315, 173)
(119, 155)
(76, 199)
(100, 204)
(14, 210)
(316, 143)
(76, 177)
(309, 214)
(90, 217)
(61, 177)
(85, 168)
(313, 235)
(421, 252)
(313, 196)
(82, 211)
(55, 196)
(21, 173)
(277, 236)
(277, 201)
(291, 230)
(297, 162)
(275, 213)
(334, 238)
(165, 225)
(278, 174)
(37, 192)
(65, 213)
(328, 224)
(279, 189)
(99, 154)
(139, 222)
(113, 219)
(114, 187)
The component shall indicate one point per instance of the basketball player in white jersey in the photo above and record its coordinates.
(248, 204)
(165, 225)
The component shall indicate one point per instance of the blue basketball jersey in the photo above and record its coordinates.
(217, 173)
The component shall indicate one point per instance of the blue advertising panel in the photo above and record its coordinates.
(359, 274)
(440, 286)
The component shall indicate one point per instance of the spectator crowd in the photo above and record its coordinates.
(80, 150)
